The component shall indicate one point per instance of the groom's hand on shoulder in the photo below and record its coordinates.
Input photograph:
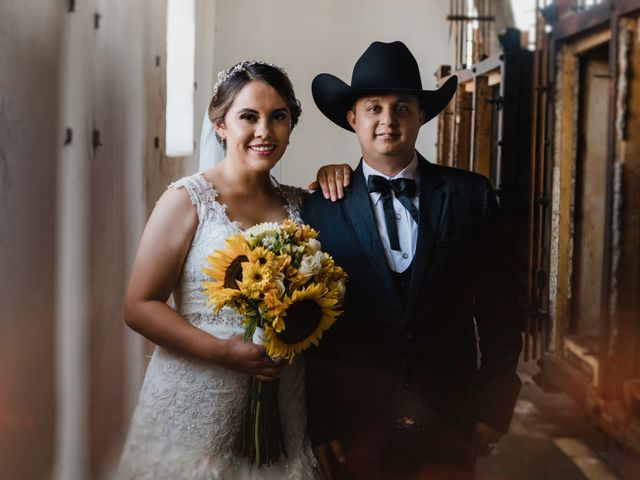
(332, 179)
(326, 452)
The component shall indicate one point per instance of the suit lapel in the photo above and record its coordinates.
(432, 200)
(358, 207)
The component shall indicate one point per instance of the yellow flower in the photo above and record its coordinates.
(305, 232)
(282, 263)
(226, 264)
(273, 304)
(219, 297)
(278, 325)
(255, 279)
(290, 227)
(262, 256)
(311, 311)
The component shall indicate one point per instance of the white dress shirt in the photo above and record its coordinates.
(398, 261)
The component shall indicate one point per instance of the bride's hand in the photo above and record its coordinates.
(249, 358)
(332, 179)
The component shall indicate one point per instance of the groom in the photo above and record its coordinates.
(397, 389)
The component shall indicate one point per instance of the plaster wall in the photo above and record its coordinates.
(308, 37)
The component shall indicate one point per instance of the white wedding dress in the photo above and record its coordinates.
(189, 411)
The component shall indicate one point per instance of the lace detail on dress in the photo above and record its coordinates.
(189, 411)
(293, 197)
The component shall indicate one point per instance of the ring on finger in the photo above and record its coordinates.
(339, 173)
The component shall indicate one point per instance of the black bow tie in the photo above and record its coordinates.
(404, 189)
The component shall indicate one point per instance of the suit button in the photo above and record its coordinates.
(405, 255)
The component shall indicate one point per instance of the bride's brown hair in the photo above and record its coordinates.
(234, 79)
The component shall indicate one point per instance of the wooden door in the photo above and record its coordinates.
(590, 218)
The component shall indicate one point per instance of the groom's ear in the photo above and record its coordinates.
(423, 116)
(351, 118)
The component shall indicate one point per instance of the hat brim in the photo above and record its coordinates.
(334, 97)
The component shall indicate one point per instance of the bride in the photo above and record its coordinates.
(191, 403)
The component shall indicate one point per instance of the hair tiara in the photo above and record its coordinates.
(242, 66)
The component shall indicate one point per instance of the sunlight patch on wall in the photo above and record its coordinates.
(181, 35)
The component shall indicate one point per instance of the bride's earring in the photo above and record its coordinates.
(222, 140)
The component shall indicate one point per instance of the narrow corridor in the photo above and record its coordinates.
(552, 438)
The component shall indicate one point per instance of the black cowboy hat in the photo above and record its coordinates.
(383, 67)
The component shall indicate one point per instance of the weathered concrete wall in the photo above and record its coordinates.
(72, 211)
(29, 134)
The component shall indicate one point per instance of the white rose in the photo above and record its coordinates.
(279, 287)
(342, 289)
(314, 245)
(310, 264)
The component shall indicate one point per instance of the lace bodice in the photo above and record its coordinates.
(190, 411)
(214, 226)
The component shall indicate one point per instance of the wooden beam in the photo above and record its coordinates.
(627, 209)
(625, 7)
(582, 22)
(482, 111)
(446, 134)
(462, 141)
(565, 156)
(591, 41)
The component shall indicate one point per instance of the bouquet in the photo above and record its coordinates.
(289, 292)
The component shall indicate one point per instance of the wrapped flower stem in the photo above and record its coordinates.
(262, 439)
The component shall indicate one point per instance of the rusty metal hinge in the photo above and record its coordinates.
(95, 139)
(68, 136)
(498, 102)
(543, 200)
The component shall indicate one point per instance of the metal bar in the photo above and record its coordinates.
(533, 195)
(605, 372)
(461, 26)
(542, 208)
(469, 18)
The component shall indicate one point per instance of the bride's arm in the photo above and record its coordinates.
(332, 179)
(163, 249)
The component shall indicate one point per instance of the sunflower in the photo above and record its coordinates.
(226, 264)
(311, 311)
(219, 297)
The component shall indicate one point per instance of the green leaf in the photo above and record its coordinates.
(252, 322)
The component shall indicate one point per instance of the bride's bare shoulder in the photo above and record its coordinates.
(174, 215)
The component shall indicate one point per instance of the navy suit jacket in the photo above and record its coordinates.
(461, 283)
